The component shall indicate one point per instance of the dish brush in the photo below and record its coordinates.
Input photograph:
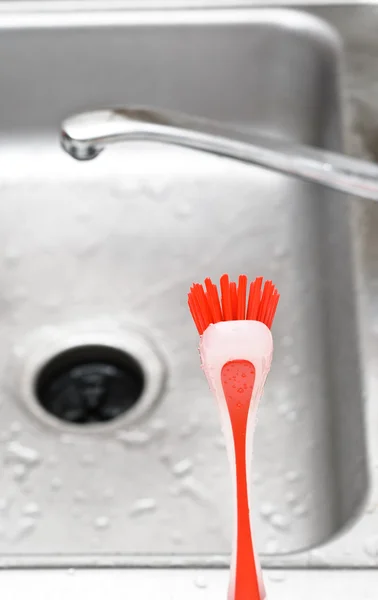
(236, 349)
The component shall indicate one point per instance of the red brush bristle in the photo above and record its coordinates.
(261, 313)
(273, 308)
(206, 308)
(226, 298)
(234, 300)
(254, 299)
(242, 291)
(196, 310)
(194, 313)
(213, 299)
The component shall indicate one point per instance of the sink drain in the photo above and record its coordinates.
(90, 384)
(89, 376)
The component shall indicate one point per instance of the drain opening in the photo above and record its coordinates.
(90, 384)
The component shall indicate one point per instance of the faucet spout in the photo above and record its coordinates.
(85, 135)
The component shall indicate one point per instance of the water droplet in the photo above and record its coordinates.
(200, 582)
(276, 576)
(71, 571)
(31, 509)
(292, 476)
(256, 478)
(4, 436)
(80, 496)
(300, 510)
(166, 455)
(158, 428)
(15, 428)
(283, 408)
(183, 467)
(28, 456)
(4, 504)
(19, 472)
(200, 458)
(12, 256)
(134, 438)
(280, 251)
(266, 510)
(142, 506)
(220, 442)
(194, 489)
(292, 416)
(25, 527)
(52, 460)
(317, 559)
(88, 459)
(109, 493)
(291, 497)
(279, 521)
(183, 210)
(177, 537)
(174, 490)
(271, 547)
(371, 546)
(295, 369)
(102, 522)
(189, 429)
(56, 483)
(66, 439)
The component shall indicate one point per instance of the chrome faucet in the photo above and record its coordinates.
(85, 135)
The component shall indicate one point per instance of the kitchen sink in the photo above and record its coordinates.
(97, 261)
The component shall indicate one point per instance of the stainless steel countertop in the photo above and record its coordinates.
(188, 584)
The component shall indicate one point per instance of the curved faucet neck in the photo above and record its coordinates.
(85, 135)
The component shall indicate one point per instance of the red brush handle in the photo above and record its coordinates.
(238, 378)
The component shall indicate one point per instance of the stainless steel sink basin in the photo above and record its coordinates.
(97, 261)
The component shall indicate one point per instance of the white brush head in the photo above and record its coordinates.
(236, 340)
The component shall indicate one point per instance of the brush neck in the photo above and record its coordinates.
(238, 380)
